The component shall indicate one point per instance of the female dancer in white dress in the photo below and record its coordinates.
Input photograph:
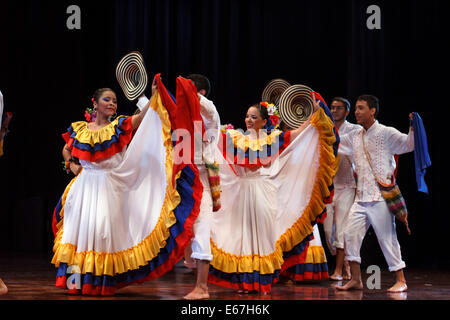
(127, 216)
(273, 191)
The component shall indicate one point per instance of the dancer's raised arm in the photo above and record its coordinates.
(137, 118)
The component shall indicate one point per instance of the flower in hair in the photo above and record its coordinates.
(274, 117)
(90, 114)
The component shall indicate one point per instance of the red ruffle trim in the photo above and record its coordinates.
(86, 289)
(295, 259)
(316, 276)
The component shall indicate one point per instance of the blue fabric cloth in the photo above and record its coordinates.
(421, 157)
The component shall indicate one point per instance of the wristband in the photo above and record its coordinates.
(142, 102)
(66, 165)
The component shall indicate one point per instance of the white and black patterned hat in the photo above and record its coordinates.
(296, 105)
(273, 90)
(132, 75)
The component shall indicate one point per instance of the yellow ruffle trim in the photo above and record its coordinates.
(302, 228)
(92, 137)
(244, 142)
(111, 263)
(315, 254)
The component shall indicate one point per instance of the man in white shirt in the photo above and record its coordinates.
(370, 209)
(344, 193)
(198, 255)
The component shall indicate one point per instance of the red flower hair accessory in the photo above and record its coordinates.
(90, 114)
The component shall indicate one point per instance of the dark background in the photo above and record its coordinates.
(49, 73)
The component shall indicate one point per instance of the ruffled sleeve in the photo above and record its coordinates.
(94, 145)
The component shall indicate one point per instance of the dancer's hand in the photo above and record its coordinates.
(316, 104)
(75, 168)
(411, 118)
(154, 86)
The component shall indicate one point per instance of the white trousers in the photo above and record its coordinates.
(201, 245)
(336, 220)
(376, 214)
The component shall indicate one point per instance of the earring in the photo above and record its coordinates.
(111, 118)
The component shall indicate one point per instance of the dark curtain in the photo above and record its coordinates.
(49, 73)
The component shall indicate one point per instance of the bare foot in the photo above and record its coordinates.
(347, 275)
(3, 288)
(399, 286)
(351, 285)
(197, 294)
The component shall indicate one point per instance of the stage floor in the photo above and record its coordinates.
(32, 277)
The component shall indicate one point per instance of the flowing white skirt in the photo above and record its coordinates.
(268, 214)
(117, 213)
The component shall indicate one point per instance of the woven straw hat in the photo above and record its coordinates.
(273, 90)
(131, 75)
(296, 105)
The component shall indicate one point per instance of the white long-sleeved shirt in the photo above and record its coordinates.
(211, 120)
(382, 143)
(344, 177)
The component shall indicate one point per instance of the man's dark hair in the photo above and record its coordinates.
(201, 82)
(372, 102)
(343, 100)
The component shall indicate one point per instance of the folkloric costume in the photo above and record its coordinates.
(344, 196)
(128, 216)
(208, 169)
(273, 193)
(201, 245)
(370, 209)
(200, 112)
